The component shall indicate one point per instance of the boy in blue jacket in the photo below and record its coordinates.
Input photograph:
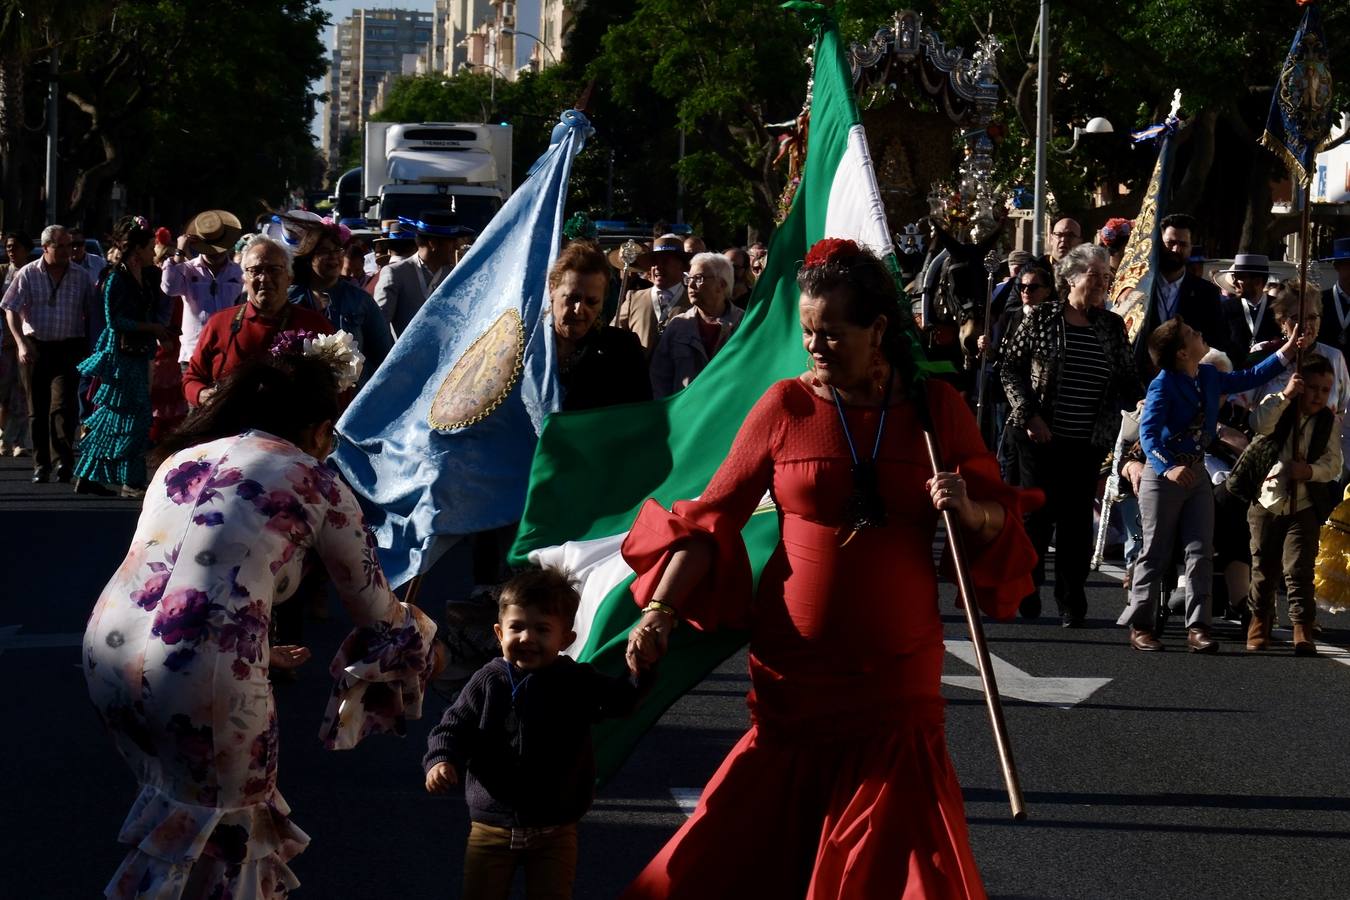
(1176, 499)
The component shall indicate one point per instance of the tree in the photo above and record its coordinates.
(1124, 63)
(29, 32)
(722, 71)
(180, 121)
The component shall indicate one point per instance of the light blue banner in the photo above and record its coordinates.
(438, 443)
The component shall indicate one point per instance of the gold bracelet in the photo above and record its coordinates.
(658, 606)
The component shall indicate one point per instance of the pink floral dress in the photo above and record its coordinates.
(176, 658)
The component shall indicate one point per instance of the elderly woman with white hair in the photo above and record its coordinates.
(1068, 372)
(693, 338)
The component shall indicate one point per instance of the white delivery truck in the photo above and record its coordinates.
(411, 167)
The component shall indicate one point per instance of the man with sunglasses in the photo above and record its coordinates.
(47, 307)
(246, 331)
(207, 283)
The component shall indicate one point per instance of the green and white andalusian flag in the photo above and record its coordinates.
(593, 470)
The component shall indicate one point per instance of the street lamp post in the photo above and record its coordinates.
(1042, 130)
(492, 91)
(534, 38)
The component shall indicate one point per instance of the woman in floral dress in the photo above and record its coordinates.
(176, 652)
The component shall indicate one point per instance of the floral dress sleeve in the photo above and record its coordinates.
(381, 669)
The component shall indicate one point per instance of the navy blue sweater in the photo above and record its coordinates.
(529, 760)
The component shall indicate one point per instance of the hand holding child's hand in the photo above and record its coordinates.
(1294, 387)
(648, 640)
(441, 777)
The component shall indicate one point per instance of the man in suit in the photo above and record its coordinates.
(1177, 292)
(1335, 329)
(1247, 315)
(406, 284)
(646, 312)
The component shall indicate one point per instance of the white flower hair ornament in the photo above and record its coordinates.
(338, 350)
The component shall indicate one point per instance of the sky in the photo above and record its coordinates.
(337, 11)
(340, 9)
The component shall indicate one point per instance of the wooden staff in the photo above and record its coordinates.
(414, 585)
(1304, 251)
(990, 266)
(965, 585)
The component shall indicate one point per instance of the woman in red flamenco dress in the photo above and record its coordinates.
(842, 787)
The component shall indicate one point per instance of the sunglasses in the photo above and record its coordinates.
(1023, 288)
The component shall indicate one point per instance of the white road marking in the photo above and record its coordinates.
(686, 799)
(10, 639)
(1015, 684)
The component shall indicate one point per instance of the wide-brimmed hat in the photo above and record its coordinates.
(627, 254)
(665, 245)
(437, 223)
(1340, 251)
(394, 235)
(298, 229)
(214, 230)
(1243, 264)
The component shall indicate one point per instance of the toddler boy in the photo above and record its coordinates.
(519, 736)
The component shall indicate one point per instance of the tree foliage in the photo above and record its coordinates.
(183, 112)
(1123, 64)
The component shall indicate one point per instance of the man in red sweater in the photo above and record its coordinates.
(246, 331)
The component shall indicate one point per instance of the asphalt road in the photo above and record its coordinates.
(1182, 775)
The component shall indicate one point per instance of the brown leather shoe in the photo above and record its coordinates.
(1258, 633)
(1144, 640)
(1303, 641)
(1199, 641)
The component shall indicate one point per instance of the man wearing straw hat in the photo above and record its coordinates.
(646, 312)
(207, 283)
(1246, 309)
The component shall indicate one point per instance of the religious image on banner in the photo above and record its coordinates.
(1301, 108)
(1133, 285)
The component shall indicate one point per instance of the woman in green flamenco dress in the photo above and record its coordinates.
(113, 452)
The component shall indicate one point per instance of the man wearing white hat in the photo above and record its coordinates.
(1245, 308)
(210, 282)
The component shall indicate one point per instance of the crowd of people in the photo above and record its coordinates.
(1178, 423)
(225, 359)
(110, 353)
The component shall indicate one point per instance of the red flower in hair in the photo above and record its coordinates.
(831, 250)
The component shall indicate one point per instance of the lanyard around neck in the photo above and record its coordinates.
(881, 425)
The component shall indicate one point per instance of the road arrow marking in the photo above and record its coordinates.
(1014, 684)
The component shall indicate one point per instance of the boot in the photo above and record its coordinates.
(1303, 641)
(1258, 633)
(1144, 640)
